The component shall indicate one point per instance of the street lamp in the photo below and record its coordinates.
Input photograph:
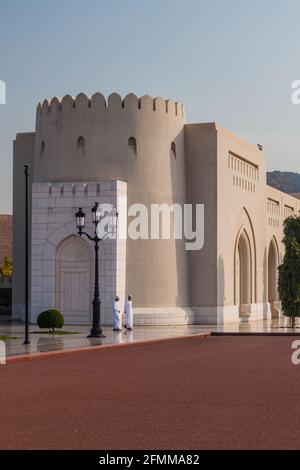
(96, 331)
(26, 341)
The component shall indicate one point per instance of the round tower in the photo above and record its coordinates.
(140, 141)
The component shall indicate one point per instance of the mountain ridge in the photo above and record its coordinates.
(286, 181)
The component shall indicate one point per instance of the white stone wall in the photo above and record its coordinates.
(53, 220)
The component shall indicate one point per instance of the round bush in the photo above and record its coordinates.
(51, 319)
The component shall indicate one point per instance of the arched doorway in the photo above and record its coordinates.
(243, 276)
(73, 280)
(273, 261)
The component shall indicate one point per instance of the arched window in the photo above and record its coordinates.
(81, 144)
(43, 147)
(132, 150)
(173, 149)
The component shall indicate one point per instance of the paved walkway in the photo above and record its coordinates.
(44, 342)
(192, 393)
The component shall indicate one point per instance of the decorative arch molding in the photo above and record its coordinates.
(50, 252)
(243, 272)
(73, 279)
(86, 247)
(273, 261)
(56, 238)
(245, 233)
(274, 242)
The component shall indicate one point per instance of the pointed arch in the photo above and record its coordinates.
(245, 278)
(73, 263)
(254, 252)
(272, 276)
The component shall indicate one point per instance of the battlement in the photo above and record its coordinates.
(86, 138)
(113, 103)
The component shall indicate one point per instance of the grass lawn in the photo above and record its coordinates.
(7, 338)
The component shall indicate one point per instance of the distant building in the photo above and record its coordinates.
(5, 237)
(5, 252)
(142, 151)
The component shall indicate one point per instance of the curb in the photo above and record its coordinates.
(64, 352)
(216, 333)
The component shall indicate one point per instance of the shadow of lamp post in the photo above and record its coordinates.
(96, 331)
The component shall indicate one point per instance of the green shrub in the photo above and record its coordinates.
(6, 267)
(289, 270)
(51, 319)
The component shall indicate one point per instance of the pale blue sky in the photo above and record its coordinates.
(230, 61)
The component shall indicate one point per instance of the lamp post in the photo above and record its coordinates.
(26, 341)
(96, 331)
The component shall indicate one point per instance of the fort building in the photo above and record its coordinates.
(142, 150)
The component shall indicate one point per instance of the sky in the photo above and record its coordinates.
(229, 61)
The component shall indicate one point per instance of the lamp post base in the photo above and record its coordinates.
(96, 333)
(96, 336)
(26, 341)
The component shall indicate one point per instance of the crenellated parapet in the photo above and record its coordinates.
(131, 138)
(114, 103)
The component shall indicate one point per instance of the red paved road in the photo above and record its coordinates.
(196, 393)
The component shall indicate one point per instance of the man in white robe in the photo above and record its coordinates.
(128, 312)
(116, 314)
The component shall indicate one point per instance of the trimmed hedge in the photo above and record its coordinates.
(51, 319)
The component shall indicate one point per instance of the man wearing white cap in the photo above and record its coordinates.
(128, 313)
(116, 314)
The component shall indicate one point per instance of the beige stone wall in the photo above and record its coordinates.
(201, 157)
(228, 175)
(241, 209)
(279, 206)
